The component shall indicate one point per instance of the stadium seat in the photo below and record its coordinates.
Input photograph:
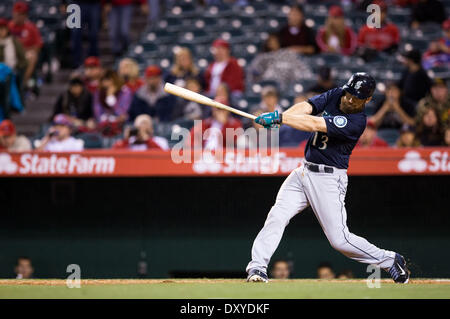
(300, 87)
(161, 36)
(172, 25)
(415, 43)
(91, 140)
(191, 38)
(439, 72)
(389, 135)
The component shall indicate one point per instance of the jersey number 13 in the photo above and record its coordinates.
(320, 140)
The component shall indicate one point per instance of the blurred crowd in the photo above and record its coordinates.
(125, 106)
(280, 269)
(283, 269)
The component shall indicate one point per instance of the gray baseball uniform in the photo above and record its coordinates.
(322, 183)
(325, 193)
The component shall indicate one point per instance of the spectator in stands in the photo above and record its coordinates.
(447, 136)
(129, 71)
(183, 68)
(282, 65)
(394, 109)
(346, 274)
(93, 72)
(225, 68)
(407, 137)
(280, 270)
(58, 137)
(24, 268)
(140, 136)
(10, 97)
(269, 100)
(10, 141)
(272, 43)
(213, 130)
(90, 23)
(185, 109)
(28, 34)
(372, 40)
(119, 19)
(369, 137)
(429, 128)
(111, 103)
(427, 11)
(296, 35)
(325, 81)
(76, 103)
(335, 36)
(12, 52)
(414, 83)
(438, 98)
(438, 53)
(151, 98)
(325, 271)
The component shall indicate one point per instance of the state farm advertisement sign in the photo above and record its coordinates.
(54, 164)
(108, 163)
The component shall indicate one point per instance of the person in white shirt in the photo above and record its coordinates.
(58, 137)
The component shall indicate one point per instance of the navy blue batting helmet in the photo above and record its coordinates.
(361, 85)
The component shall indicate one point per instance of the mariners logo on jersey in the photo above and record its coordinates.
(340, 121)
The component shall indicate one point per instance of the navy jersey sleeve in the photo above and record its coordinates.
(345, 127)
(319, 102)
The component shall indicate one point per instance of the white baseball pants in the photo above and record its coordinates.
(325, 192)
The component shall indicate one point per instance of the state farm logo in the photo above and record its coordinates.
(6, 164)
(413, 162)
(37, 164)
(239, 163)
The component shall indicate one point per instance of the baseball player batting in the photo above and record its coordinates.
(337, 120)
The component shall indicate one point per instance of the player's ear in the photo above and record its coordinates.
(368, 99)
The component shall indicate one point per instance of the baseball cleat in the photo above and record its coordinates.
(399, 272)
(255, 275)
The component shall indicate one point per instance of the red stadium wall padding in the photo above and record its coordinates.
(107, 163)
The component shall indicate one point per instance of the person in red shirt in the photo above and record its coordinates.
(28, 34)
(225, 68)
(385, 38)
(140, 136)
(213, 130)
(369, 137)
(93, 72)
(335, 36)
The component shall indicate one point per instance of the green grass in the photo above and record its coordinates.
(297, 289)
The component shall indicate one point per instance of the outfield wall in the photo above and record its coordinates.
(109, 225)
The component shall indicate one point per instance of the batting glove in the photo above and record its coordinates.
(269, 120)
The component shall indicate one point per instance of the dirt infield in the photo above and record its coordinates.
(62, 282)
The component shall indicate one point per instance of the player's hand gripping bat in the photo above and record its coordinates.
(201, 99)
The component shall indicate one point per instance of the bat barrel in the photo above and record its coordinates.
(201, 99)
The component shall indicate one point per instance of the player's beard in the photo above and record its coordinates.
(346, 108)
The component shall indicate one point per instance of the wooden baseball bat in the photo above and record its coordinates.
(201, 99)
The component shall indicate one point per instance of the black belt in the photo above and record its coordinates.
(315, 168)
